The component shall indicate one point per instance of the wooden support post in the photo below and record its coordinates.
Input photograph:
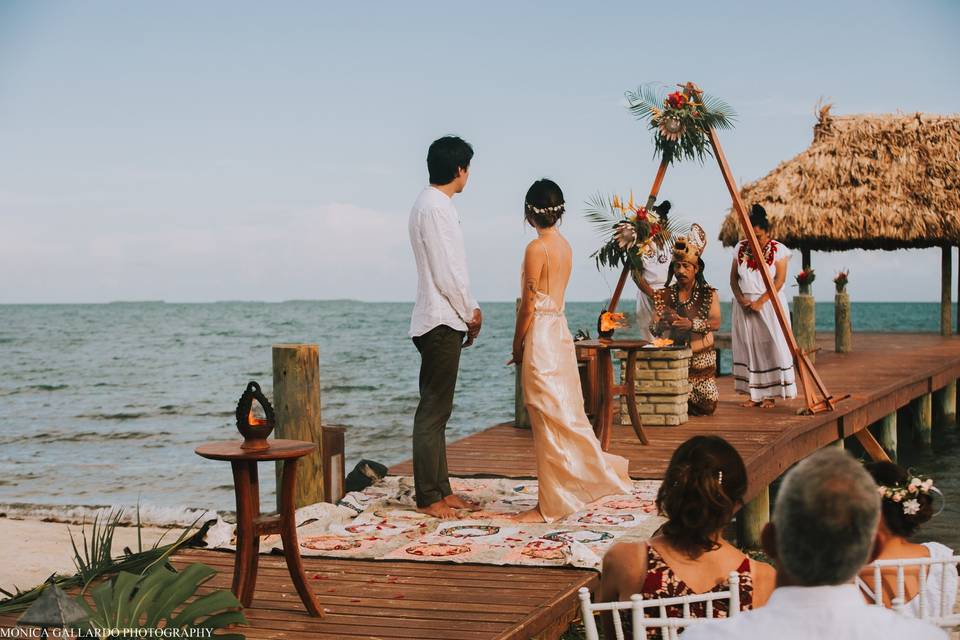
(805, 324)
(921, 419)
(843, 334)
(945, 405)
(296, 403)
(520, 418)
(946, 274)
(752, 518)
(885, 431)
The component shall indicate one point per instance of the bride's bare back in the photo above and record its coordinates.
(547, 264)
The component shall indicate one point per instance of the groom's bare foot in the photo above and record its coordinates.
(531, 515)
(455, 501)
(439, 509)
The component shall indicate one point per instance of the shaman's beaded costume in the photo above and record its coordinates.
(703, 365)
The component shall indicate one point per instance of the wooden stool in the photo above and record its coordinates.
(608, 390)
(251, 525)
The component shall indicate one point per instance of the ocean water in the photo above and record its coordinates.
(104, 404)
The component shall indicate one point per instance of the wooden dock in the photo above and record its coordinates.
(388, 599)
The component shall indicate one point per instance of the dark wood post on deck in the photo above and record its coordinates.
(296, 403)
(520, 418)
(946, 274)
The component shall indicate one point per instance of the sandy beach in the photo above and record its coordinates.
(32, 550)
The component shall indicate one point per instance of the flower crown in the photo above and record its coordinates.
(542, 210)
(907, 495)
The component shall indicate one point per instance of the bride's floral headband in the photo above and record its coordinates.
(907, 495)
(543, 210)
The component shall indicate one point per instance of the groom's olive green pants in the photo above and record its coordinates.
(439, 362)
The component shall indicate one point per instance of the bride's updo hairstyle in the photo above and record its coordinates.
(704, 485)
(543, 207)
(901, 519)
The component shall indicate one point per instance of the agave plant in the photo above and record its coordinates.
(96, 560)
(158, 599)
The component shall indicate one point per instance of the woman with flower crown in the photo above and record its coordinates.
(907, 503)
(762, 362)
(572, 469)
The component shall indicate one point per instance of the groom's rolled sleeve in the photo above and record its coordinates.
(447, 261)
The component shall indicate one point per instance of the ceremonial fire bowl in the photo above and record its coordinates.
(253, 429)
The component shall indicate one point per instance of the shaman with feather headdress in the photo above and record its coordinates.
(688, 312)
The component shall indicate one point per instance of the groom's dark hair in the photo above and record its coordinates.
(446, 156)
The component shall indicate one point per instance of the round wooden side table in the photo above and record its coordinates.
(251, 524)
(608, 389)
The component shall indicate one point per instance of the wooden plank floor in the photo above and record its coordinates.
(884, 372)
(400, 600)
(373, 599)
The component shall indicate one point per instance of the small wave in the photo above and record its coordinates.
(131, 415)
(150, 515)
(94, 436)
(351, 387)
(33, 387)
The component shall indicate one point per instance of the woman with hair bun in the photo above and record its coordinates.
(572, 469)
(907, 503)
(762, 362)
(703, 486)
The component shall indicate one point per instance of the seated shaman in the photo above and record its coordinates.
(688, 312)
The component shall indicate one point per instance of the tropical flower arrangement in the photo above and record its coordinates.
(841, 279)
(630, 231)
(907, 495)
(806, 277)
(680, 121)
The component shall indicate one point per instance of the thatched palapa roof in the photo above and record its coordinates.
(866, 182)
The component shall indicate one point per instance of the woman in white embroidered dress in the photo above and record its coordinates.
(762, 362)
(908, 503)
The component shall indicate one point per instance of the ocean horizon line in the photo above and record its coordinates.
(358, 301)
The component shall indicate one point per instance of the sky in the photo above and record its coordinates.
(202, 151)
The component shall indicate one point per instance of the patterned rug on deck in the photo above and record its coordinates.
(381, 523)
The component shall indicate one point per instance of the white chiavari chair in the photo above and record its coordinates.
(657, 617)
(937, 609)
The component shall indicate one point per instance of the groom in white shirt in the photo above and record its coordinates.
(446, 318)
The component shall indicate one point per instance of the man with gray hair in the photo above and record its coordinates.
(824, 530)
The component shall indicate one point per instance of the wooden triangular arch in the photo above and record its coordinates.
(817, 398)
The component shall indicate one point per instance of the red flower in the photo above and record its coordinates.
(676, 99)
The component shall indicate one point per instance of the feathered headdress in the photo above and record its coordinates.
(690, 247)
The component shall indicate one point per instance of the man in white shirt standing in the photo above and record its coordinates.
(824, 530)
(445, 319)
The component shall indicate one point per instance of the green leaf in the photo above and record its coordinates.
(179, 588)
(205, 606)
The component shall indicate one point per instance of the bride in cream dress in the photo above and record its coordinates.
(572, 470)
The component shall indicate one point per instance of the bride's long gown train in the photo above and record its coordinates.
(572, 469)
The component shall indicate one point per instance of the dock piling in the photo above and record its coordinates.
(296, 400)
(885, 431)
(945, 405)
(520, 418)
(921, 419)
(752, 518)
